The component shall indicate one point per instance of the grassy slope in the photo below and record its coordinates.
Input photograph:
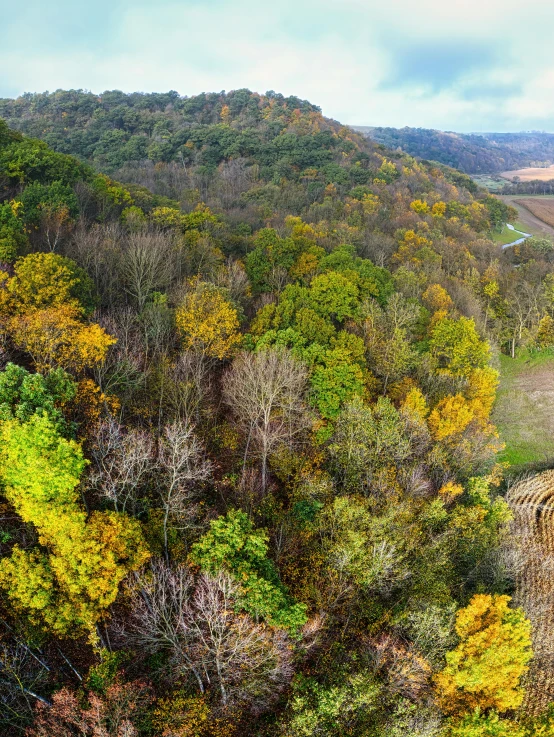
(508, 236)
(524, 409)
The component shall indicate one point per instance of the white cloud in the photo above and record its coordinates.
(336, 53)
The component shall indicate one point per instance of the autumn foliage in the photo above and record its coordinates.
(249, 476)
(484, 671)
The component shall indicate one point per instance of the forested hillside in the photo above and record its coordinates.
(250, 484)
(486, 153)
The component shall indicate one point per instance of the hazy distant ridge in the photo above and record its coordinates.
(472, 153)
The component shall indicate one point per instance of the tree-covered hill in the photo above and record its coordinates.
(114, 129)
(249, 482)
(486, 153)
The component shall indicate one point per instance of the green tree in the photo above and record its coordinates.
(334, 296)
(270, 260)
(335, 379)
(233, 545)
(457, 347)
(480, 724)
(23, 394)
(12, 232)
(367, 439)
(343, 708)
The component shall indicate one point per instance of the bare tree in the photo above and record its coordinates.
(121, 463)
(112, 714)
(22, 675)
(244, 659)
(126, 463)
(182, 462)
(123, 368)
(147, 264)
(98, 250)
(195, 621)
(266, 393)
(159, 605)
(186, 385)
(233, 277)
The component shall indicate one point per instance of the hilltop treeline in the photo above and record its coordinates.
(249, 478)
(486, 153)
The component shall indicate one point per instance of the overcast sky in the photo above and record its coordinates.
(465, 65)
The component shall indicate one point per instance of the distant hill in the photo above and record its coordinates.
(227, 142)
(486, 153)
(113, 129)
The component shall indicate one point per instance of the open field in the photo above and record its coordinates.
(526, 175)
(524, 408)
(541, 207)
(492, 182)
(532, 224)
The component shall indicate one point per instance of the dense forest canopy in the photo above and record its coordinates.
(472, 153)
(249, 477)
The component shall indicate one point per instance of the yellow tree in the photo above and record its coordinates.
(436, 298)
(56, 337)
(411, 247)
(43, 280)
(69, 581)
(481, 391)
(208, 322)
(484, 670)
(420, 207)
(450, 417)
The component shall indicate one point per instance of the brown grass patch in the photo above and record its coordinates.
(545, 174)
(543, 209)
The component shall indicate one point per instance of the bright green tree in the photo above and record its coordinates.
(457, 347)
(23, 394)
(13, 238)
(232, 544)
(67, 583)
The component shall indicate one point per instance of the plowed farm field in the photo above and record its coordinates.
(542, 208)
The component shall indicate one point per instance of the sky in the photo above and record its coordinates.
(462, 65)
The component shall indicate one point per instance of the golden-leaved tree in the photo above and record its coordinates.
(208, 322)
(56, 337)
(42, 309)
(72, 576)
(484, 670)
